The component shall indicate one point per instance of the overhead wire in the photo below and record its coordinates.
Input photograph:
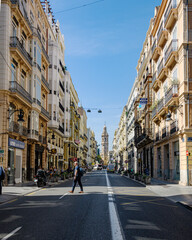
(84, 5)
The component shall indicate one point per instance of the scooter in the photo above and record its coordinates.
(40, 178)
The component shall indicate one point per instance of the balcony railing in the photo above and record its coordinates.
(17, 128)
(154, 46)
(44, 81)
(171, 48)
(14, 42)
(23, 11)
(61, 107)
(160, 31)
(160, 104)
(15, 87)
(37, 101)
(60, 84)
(45, 112)
(172, 4)
(171, 92)
(160, 66)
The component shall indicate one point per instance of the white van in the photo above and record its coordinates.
(111, 168)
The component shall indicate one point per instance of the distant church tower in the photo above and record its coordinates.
(105, 145)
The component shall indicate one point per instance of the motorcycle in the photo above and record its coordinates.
(40, 178)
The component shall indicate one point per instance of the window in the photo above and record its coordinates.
(14, 29)
(38, 55)
(13, 72)
(22, 80)
(38, 89)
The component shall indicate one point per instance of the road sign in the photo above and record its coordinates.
(143, 101)
(187, 153)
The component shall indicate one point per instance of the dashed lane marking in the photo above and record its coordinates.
(11, 233)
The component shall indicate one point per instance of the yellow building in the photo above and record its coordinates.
(71, 146)
(172, 91)
(143, 122)
(23, 87)
(83, 149)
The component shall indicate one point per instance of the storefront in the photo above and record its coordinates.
(15, 158)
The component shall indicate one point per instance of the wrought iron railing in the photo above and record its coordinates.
(171, 48)
(17, 88)
(14, 42)
(171, 92)
(174, 127)
(17, 128)
(45, 112)
(61, 107)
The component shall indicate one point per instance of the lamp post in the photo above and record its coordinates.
(20, 115)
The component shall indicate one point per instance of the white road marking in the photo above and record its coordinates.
(12, 233)
(115, 224)
(64, 195)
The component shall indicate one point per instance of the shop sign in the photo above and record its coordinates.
(1, 153)
(189, 139)
(143, 101)
(16, 144)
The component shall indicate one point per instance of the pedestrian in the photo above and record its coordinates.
(2, 177)
(77, 178)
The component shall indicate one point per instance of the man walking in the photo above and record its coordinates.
(77, 178)
(2, 177)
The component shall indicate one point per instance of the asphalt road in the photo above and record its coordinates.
(112, 208)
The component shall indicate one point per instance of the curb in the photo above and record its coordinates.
(184, 204)
(135, 181)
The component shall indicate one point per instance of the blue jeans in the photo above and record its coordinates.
(78, 179)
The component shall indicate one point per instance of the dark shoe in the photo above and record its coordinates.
(81, 192)
(70, 191)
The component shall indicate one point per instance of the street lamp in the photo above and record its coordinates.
(91, 109)
(168, 117)
(20, 115)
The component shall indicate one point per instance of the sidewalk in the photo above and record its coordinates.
(174, 192)
(10, 193)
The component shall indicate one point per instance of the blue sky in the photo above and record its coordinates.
(103, 44)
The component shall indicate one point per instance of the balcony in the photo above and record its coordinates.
(45, 113)
(171, 54)
(17, 48)
(160, 67)
(61, 86)
(61, 107)
(160, 105)
(165, 132)
(37, 101)
(174, 127)
(154, 112)
(22, 12)
(15, 87)
(44, 81)
(155, 82)
(171, 15)
(145, 136)
(162, 36)
(171, 94)
(156, 51)
(15, 127)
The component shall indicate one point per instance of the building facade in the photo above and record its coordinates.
(24, 87)
(143, 101)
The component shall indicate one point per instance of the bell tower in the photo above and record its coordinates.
(105, 145)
